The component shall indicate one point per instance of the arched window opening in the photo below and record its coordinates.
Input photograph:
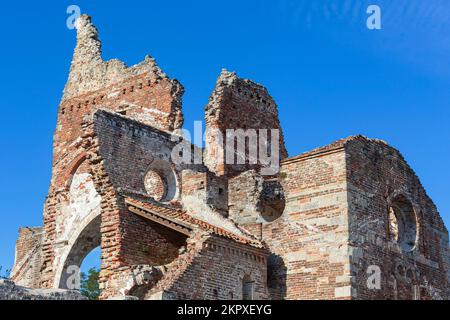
(84, 254)
(402, 223)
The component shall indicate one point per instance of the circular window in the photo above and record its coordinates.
(155, 185)
(160, 181)
(403, 223)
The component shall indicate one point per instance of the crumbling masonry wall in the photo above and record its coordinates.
(28, 257)
(238, 104)
(142, 92)
(328, 217)
(214, 268)
(377, 176)
(121, 151)
(309, 242)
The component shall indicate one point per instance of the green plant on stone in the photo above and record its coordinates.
(89, 286)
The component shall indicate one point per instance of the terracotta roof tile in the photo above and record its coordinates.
(184, 219)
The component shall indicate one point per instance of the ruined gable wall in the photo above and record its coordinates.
(377, 175)
(121, 151)
(130, 149)
(309, 242)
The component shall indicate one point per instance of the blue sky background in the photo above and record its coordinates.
(330, 75)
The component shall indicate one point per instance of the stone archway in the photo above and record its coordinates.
(86, 241)
(77, 225)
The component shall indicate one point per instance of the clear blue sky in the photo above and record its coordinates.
(331, 77)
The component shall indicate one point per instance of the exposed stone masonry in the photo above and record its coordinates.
(168, 230)
(10, 291)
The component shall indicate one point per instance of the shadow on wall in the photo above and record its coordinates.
(276, 277)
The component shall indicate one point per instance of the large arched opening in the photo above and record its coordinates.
(88, 240)
(77, 226)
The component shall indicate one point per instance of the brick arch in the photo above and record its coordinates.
(72, 169)
(87, 238)
(80, 225)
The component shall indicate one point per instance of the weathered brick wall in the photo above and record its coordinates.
(231, 99)
(253, 198)
(141, 92)
(130, 149)
(330, 215)
(244, 193)
(111, 208)
(216, 272)
(121, 151)
(203, 189)
(377, 175)
(27, 263)
(309, 242)
(155, 185)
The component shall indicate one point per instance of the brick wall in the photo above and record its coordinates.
(377, 176)
(28, 257)
(215, 271)
(309, 242)
(201, 188)
(130, 149)
(142, 92)
(146, 242)
(231, 99)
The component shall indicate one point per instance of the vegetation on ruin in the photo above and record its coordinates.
(89, 286)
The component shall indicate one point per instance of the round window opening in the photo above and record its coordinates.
(155, 185)
(403, 223)
(272, 202)
(160, 181)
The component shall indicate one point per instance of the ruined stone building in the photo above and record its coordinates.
(324, 227)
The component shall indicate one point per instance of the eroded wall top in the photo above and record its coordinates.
(238, 103)
(88, 71)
